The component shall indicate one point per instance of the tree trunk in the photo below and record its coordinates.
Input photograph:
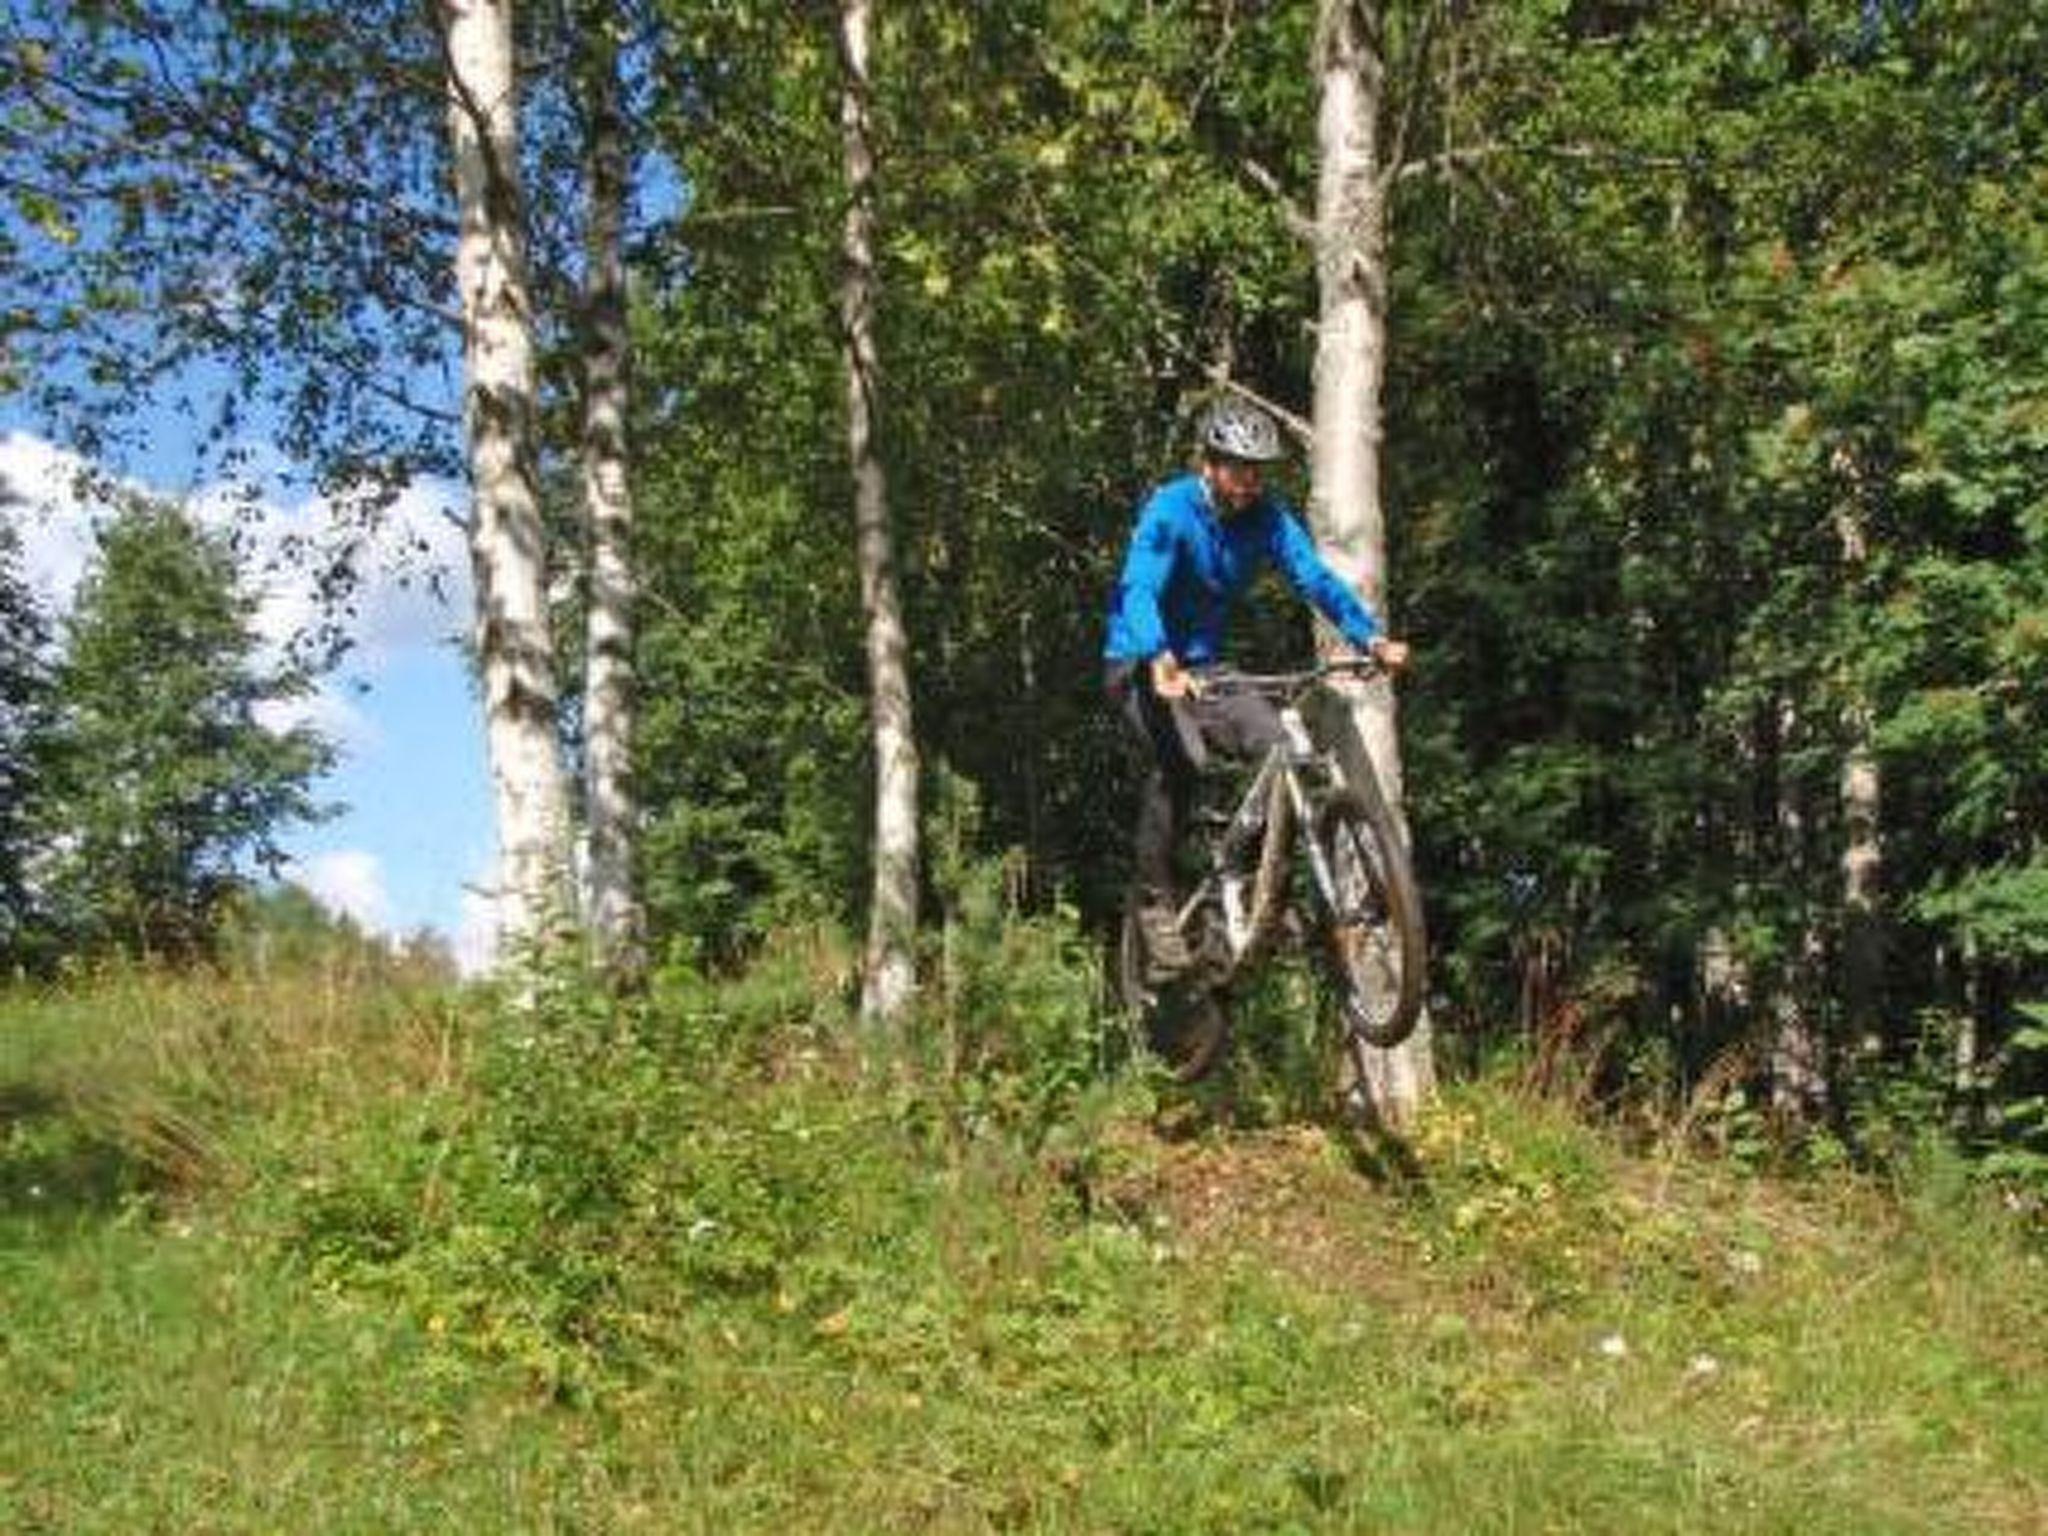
(514, 650)
(1862, 792)
(1862, 876)
(1798, 1061)
(891, 973)
(611, 904)
(1345, 509)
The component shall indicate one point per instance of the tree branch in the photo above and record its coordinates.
(253, 158)
(1217, 59)
(739, 214)
(1463, 159)
(1411, 91)
(1298, 222)
(405, 402)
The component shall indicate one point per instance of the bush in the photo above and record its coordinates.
(2019, 1155)
(611, 1160)
(1023, 1029)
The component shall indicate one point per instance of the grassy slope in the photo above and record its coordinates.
(817, 1312)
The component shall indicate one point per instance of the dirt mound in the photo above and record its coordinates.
(1294, 1196)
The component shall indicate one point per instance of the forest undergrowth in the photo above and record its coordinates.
(332, 1249)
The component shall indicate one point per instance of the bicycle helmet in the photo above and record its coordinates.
(1236, 429)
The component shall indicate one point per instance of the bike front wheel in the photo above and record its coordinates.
(1373, 944)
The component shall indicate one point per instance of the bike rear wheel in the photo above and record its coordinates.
(1185, 1021)
(1373, 945)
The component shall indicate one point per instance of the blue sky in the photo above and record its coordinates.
(415, 838)
(416, 829)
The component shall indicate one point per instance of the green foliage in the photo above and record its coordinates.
(750, 762)
(1713, 452)
(1023, 1032)
(286, 928)
(168, 253)
(1715, 470)
(24, 702)
(713, 1140)
(2020, 1154)
(606, 1156)
(160, 775)
(1715, 440)
(1064, 254)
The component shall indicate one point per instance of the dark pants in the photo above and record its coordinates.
(1178, 739)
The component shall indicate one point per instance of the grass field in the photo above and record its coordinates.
(328, 1253)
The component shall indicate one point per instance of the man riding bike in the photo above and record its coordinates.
(1200, 540)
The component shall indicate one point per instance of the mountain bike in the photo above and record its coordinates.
(1311, 848)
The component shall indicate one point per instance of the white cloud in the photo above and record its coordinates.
(413, 569)
(414, 587)
(39, 488)
(413, 591)
(329, 711)
(350, 882)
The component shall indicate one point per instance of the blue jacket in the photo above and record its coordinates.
(1188, 563)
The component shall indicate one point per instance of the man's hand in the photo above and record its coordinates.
(1170, 680)
(1391, 654)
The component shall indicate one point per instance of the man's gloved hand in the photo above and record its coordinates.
(1170, 680)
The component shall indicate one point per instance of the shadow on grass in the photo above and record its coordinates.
(1380, 1153)
(54, 1165)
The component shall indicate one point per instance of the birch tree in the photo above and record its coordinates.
(513, 646)
(1862, 809)
(890, 977)
(611, 902)
(265, 188)
(1352, 191)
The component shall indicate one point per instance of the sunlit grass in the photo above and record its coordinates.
(180, 1077)
(825, 1302)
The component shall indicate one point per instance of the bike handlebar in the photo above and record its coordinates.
(1359, 667)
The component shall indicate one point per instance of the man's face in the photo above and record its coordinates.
(1236, 483)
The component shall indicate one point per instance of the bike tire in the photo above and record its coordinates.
(1185, 1021)
(1374, 949)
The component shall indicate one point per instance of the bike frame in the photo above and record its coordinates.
(1271, 810)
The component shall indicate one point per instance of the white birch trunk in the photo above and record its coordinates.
(1862, 876)
(1862, 792)
(890, 978)
(514, 649)
(612, 908)
(1799, 1048)
(1344, 505)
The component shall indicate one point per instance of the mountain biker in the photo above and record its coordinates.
(1200, 540)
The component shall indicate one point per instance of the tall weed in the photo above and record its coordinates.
(1024, 1038)
(193, 1076)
